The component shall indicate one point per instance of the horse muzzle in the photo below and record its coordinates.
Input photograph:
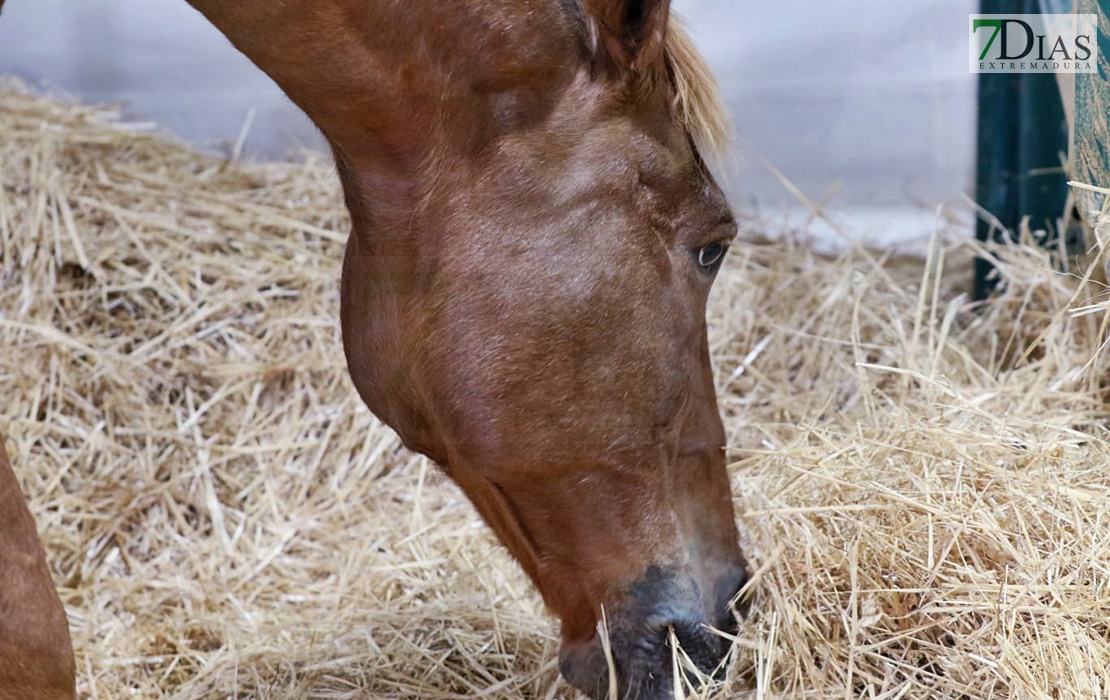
(657, 610)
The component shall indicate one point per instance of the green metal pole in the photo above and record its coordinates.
(1023, 142)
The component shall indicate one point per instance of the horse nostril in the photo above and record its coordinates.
(704, 646)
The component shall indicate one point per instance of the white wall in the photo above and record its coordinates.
(871, 93)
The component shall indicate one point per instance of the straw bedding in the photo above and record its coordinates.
(922, 485)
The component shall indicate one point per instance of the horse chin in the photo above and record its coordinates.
(639, 655)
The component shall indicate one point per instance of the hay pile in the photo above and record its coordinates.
(923, 487)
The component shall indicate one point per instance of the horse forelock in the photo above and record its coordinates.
(698, 102)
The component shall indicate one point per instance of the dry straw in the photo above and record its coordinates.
(922, 484)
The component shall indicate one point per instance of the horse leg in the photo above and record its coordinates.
(36, 656)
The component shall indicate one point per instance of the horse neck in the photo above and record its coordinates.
(399, 87)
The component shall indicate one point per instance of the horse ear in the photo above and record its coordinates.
(630, 33)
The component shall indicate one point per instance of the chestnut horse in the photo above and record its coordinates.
(534, 235)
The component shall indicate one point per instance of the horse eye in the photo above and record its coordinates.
(709, 256)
